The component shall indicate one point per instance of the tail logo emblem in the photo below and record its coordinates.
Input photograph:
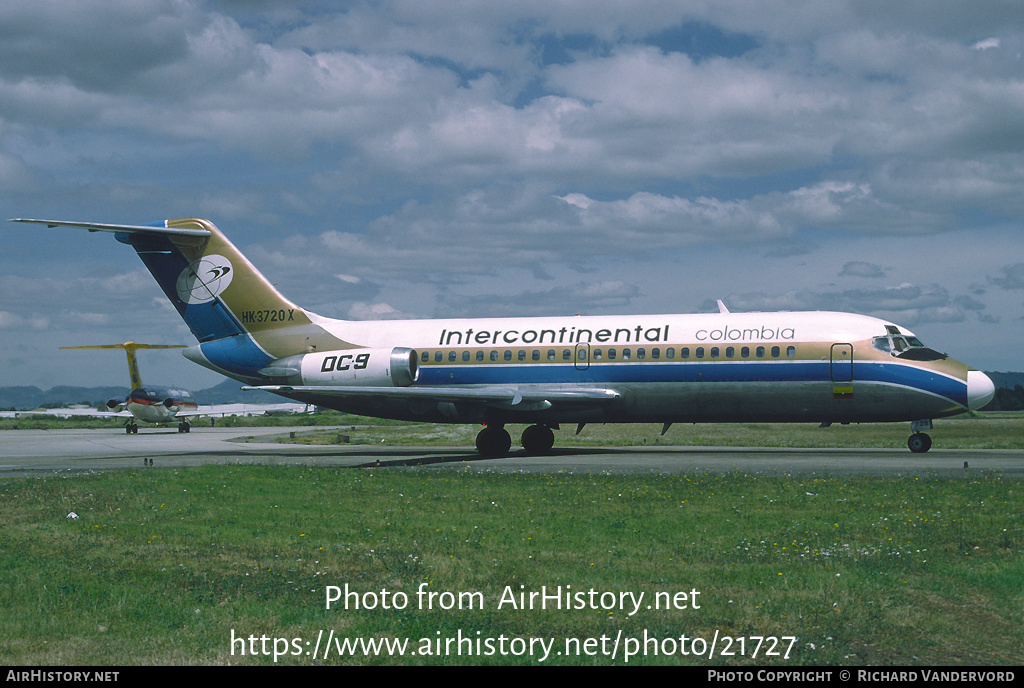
(204, 280)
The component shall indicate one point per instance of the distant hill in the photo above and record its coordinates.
(1007, 380)
(27, 398)
(1009, 392)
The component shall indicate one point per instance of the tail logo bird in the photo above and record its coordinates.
(204, 280)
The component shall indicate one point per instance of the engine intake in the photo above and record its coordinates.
(397, 367)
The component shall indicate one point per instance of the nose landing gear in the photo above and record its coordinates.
(919, 442)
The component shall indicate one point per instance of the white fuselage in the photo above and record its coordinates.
(800, 366)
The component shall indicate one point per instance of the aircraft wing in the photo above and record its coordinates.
(64, 413)
(244, 409)
(502, 397)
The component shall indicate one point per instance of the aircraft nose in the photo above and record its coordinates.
(980, 389)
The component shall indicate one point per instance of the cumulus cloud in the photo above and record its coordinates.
(1012, 277)
(378, 160)
(859, 268)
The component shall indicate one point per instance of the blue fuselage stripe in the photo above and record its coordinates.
(709, 372)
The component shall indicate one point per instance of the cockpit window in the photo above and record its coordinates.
(909, 348)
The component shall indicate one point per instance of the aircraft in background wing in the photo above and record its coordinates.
(719, 367)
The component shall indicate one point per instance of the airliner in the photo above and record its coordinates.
(149, 403)
(723, 367)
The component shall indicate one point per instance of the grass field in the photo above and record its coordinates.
(232, 564)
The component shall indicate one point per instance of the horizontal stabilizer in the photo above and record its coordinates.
(130, 229)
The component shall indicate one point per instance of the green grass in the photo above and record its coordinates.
(163, 566)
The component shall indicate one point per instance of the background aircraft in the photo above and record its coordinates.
(149, 403)
(158, 404)
(717, 367)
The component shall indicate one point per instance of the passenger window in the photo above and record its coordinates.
(535, 355)
(745, 352)
(775, 352)
(760, 352)
(439, 357)
(611, 354)
(551, 354)
(714, 352)
(700, 352)
(625, 354)
(641, 354)
(655, 352)
(597, 354)
(522, 354)
(730, 352)
(425, 357)
(479, 356)
(791, 351)
(684, 352)
(451, 356)
(566, 354)
(508, 355)
(494, 355)
(670, 352)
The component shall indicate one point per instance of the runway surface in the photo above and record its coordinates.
(29, 453)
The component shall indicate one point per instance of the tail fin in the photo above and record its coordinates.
(129, 348)
(241, 321)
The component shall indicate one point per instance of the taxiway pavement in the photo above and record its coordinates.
(27, 453)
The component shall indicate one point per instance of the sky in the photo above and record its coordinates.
(409, 159)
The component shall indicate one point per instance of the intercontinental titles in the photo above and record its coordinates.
(635, 334)
(562, 335)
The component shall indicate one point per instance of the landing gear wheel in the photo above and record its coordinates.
(493, 442)
(538, 439)
(919, 443)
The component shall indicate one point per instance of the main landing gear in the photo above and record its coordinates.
(494, 441)
(131, 428)
(183, 426)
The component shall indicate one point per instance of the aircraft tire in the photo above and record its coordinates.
(538, 439)
(493, 442)
(919, 443)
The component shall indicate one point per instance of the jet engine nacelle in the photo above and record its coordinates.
(396, 367)
(170, 404)
(115, 404)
